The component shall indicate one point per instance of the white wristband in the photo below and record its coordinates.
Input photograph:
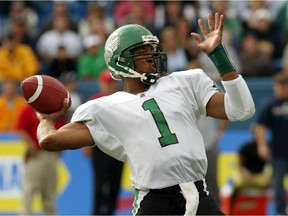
(239, 104)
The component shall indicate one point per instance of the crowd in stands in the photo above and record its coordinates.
(52, 37)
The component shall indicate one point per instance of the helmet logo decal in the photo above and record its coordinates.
(111, 47)
(150, 38)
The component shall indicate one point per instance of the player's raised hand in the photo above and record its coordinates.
(213, 35)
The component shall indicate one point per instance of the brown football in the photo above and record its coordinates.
(44, 93)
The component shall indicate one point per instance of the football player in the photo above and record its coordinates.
(152, 124)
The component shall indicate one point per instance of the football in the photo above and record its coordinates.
(44, 93)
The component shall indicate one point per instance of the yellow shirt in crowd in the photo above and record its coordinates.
(9, 112)
(19, 64)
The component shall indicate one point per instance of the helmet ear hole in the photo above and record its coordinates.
(126, 62)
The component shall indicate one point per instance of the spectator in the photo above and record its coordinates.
(107, 171)
(262, 64)
(95, 13)
(273, 119)
(252, 175)
(17, 61)
(107, 85)
(285, 59)
(91, 63)
(183, 30)
(176, 55)
(11, 105)
(22, 10)
(47, 10)
(59, 9)
(191, 11)
(138, 15)
(124, 9)
(98, 28)
(232, 24)
(61, 64)
(281, 20)
(18, 27)
(167, 14)
(40, 170)
(172, 11)
(268, 34)
(252, 170)
(60, 35)
(248, 9)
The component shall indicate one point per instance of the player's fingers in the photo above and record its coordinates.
(39, 116)
(221, 23)
(42, 116)
(197, 37)
(65, 106)
(217, 21)
(66, 102)
(202, 27)
(210, 23)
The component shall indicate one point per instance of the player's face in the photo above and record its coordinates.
(143, 59)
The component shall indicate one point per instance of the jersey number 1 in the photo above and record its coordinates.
(167, 138)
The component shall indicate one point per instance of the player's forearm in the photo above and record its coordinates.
(71, 136)
(46, 128)
(238, 101)
(224, 64)
(239, 104)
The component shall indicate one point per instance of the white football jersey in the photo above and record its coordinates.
(155, 132)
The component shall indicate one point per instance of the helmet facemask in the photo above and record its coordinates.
(159, 59)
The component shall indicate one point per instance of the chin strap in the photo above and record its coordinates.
(149, 78)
